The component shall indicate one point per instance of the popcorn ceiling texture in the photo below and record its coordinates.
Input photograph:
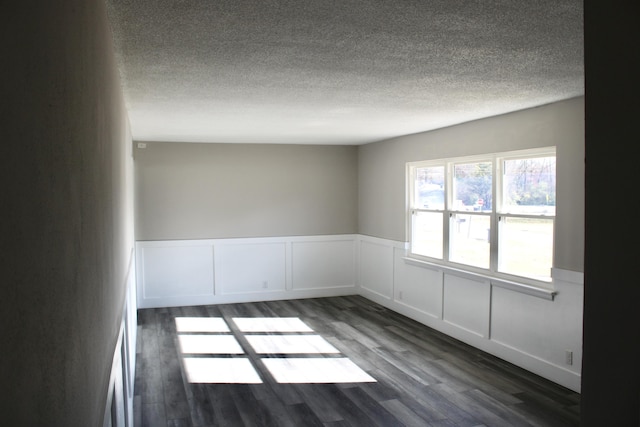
(338, 71)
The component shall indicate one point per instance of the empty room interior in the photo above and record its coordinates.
(301, 213)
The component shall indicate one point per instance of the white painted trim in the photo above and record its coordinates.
(568, 276)
(248, 297)
(288, 268)
(539, 366)
(417, 310)
(501, 283)
(524, 289)
(122, 374)
(247, 240)
(384, 242)
(466, 330)
(378, 295)
(115, 375)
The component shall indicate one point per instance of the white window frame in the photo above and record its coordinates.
(495, 214)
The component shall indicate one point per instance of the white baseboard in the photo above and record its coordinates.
(247, 297)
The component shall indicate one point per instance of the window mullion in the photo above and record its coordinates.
(446, 217)
(495, 218)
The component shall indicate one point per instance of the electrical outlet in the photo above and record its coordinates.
(568, 356)
(142, 145)
(265, 284)
(400, 295)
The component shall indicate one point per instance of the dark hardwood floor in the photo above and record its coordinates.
(423, 378)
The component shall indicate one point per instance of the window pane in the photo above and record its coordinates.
(469, 239)
(472, 186)
(427, 234)
(429, 188)
(529, 186)
(526, 247)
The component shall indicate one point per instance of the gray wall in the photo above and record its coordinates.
(198, 191)
(382, 178)
(66, 205)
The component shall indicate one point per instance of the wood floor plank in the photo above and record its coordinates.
(546, 412)
(201, 410)
(255, 413)
(320, 401)
(302, 415)
(417, 397)
(428, 349)
(380, 391)
(287, 394)
(424, 408)
(373, 409)
(349, 348)
(497, 387)
(180, 422)
(469, 377)
(137, 410)
(277, 412)
(153, 415)
(506, 412)
(223, 405)
(461, 415)
(423, 377)
(531, 383)
(382, 337)
(428, 367)
(346, 331)
(149, 374)
(348, 408)
(403, 414)
(483, 413)
(396, 359)
(175, 400)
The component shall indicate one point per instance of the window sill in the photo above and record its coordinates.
(535, 291)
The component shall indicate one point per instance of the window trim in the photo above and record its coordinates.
(495, 215)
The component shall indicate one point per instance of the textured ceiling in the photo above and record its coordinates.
(338, 71)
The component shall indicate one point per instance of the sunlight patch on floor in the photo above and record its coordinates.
(201, 324)
(290, 344)
(316, 370)
(220, 370)
(209, 344)
(213, 347)
(271, 324)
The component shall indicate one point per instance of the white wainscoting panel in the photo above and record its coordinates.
(522, 322)
(220, 271)
(323, 264)
(416, 287)
(176, 270)
(250, 267)
(376, 267)
(532, 328)
(119, 404)
(466, 303)
(545, 330)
